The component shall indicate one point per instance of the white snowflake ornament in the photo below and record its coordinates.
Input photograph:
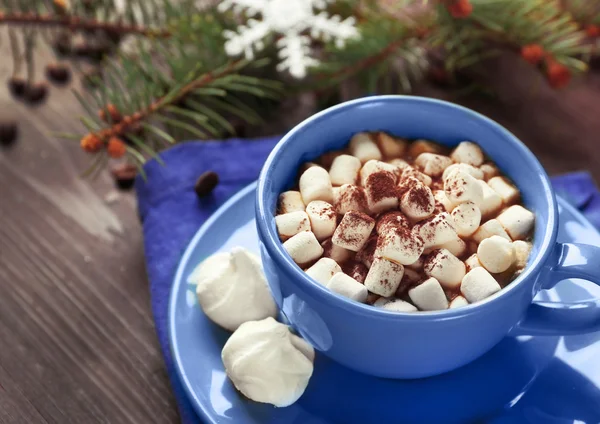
(291, 19)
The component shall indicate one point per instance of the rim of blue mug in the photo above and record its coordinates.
(270, 238)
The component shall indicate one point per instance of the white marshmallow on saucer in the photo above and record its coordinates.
(399, 163)
(399, 245)
(436, 230)
(488, 229)
(423, 146)
(347, 286)
(496, 254)
(323, 219)
(391, 219)
(508, 192)
(232, 289)
(374, 166)
(489, 171)
(316, 185)
(461, 187)
(445, 267)
(290, 224)
(433, 164)
(471, 170)
(303, 247)
(390, 146)
(517, 221)
(350, 198)
(441, 197)
(458, 302)
(469, 153)
(323, 270)
(290, 201)
(337, 253)
(522, 250)
(491, 202)
(267, 363)
(466, 218)
(353, 231)
(364, 148)
(417, 202)
(384, 277)
(409, 172)
(472, 262)
(457, 246)
(395, 305)
(381, 191)
(344, 170)
(478, 284)
(429, 296)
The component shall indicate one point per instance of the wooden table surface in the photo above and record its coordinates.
(77, 340)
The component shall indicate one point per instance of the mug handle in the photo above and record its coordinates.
(568, 260)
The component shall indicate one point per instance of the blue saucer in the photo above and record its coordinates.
(524, 379)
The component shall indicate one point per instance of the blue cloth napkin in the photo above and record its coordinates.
(171, 214)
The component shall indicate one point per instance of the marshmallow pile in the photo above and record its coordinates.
(405, 226)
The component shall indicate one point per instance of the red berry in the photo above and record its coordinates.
(558, 74)
(532, 53)
(460, 8)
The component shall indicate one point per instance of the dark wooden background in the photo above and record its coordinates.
(77, 340)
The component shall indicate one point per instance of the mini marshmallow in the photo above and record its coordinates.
(490, 228)
(461, 187)
(417, 202)
(307, 165)
(395, 305)
(350, 198)
(400, 245)
(381, 191)
(358, 271)
(441, 197)
(372, 298)
(366, 254)
(436, 231)
(491, 202)
(315, 185)
(384, 277)
(418, 147)
(390, 146)
(508, 192)
(391, 219)
(374, 166)
(409, 171)
(347, 286)
(489, 171)
(303, 247)
(338, 254)
(472, 262)
(457, 247)
(478, 284)
(522, 250)
(471, 170)
(399, 163)
(327, 158)
(432, 164)
(429, 296)
(353, 231)
(323, 270)
(445, 267)
(517, 221)
(466, 218)
(290, 224)
(458, 302)
(290, 201)
(469, 153)
(496, 254)
(364, 148)
(323, 218)
(344, 170)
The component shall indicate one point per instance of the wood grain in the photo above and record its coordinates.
(77, 341)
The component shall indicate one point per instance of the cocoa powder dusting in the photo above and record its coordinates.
(356, 270)
(420, 196)
(393, 219)
(352, 219)
(381, 185)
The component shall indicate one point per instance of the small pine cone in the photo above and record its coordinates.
(36, 93)
(532, 53)
(17, 86)
(8, 132)
(114, 113)
(116, 148)
(558, 74)
(592, 31)
(58, 73)
(91, 143)
(460, 8)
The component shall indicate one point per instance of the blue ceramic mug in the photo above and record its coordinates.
(413, 345)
